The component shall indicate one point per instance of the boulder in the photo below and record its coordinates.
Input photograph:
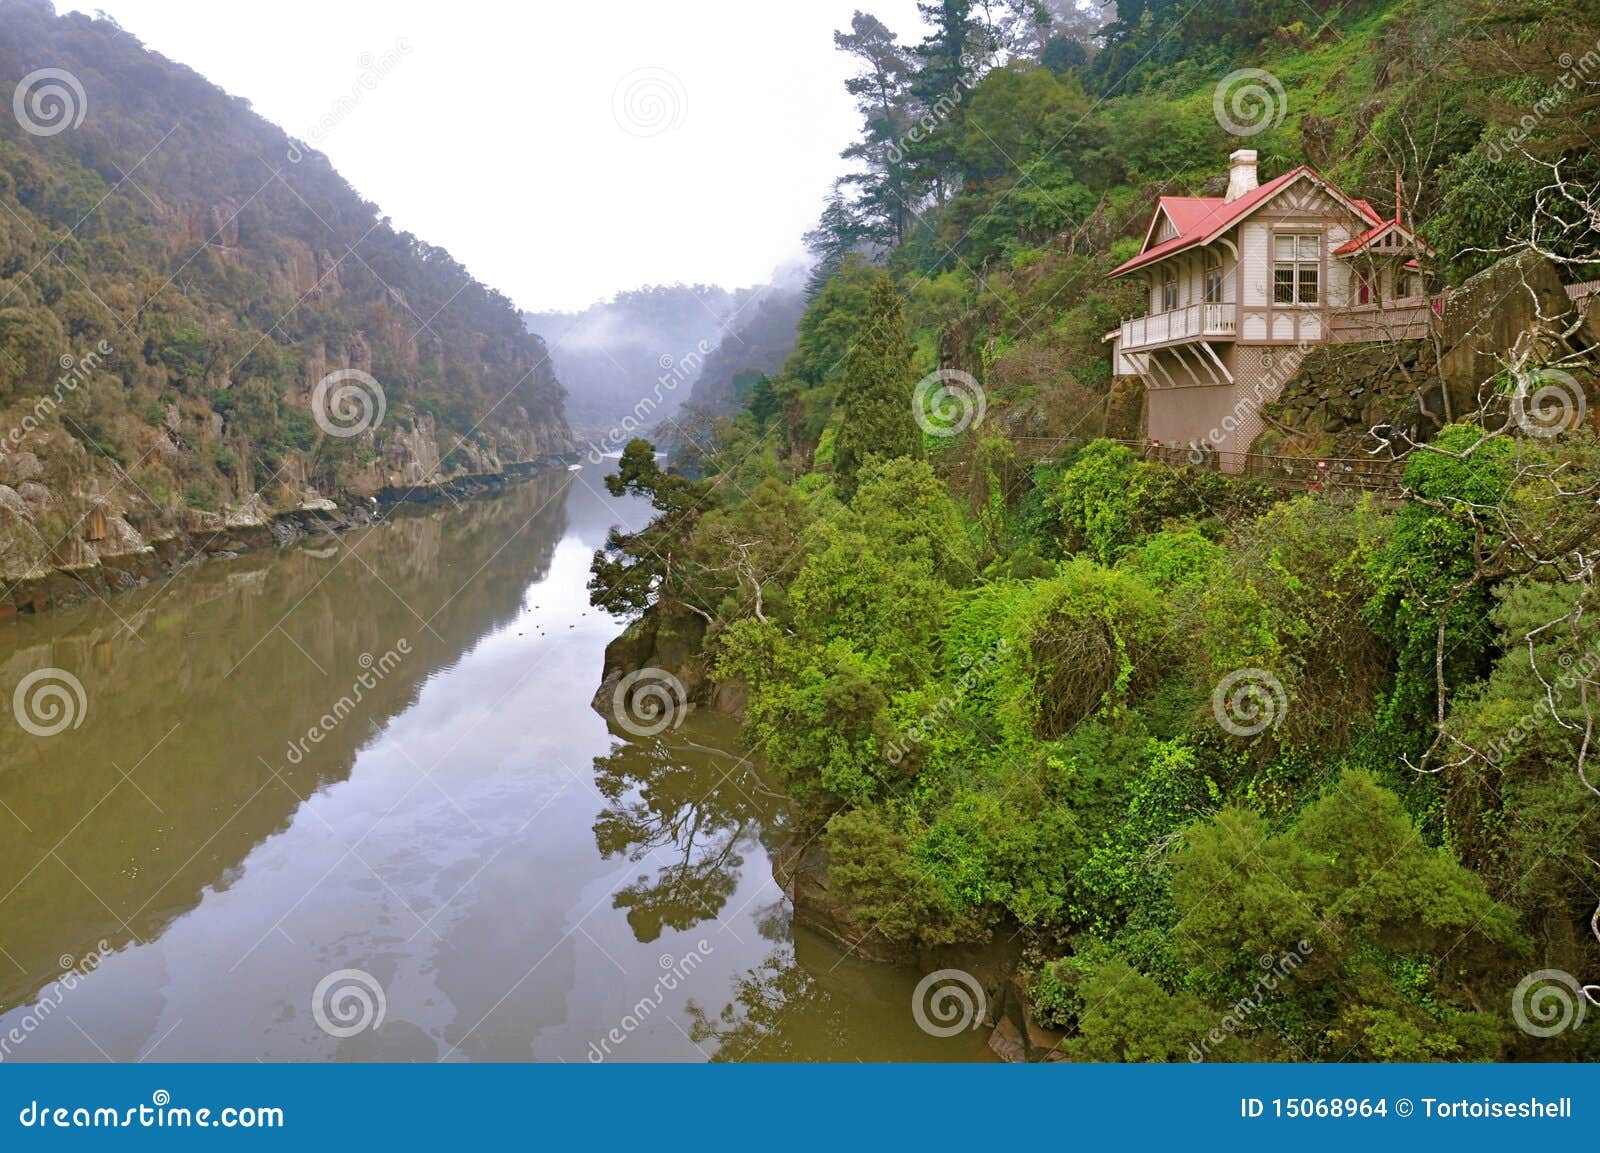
(1511, 312)
(16, 467)
(671, 642)
(801, 870)
(13, 506)
(1006, 1042)
(39, 498)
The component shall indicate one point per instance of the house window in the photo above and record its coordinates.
(1366, 290)
(1402, 284)
(1169, 295)
(1213, 279)
(1295, 269)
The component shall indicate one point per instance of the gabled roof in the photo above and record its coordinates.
(1201, 219)
(1358, 243)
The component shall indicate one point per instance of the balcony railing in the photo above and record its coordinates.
(1195, 322)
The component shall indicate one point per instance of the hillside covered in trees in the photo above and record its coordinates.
(1186, 766)
(201, 321)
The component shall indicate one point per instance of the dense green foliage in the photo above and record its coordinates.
(1251, 773)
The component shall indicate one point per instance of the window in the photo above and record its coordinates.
(1213, 279)
(1295, 269)
(1169, 295)
(1402, 284)
(1366, 290)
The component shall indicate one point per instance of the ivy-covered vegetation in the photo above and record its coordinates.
(1167, 726)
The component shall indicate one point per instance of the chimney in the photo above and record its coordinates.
(1241, 173)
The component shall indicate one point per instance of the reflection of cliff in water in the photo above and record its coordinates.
(197, 689)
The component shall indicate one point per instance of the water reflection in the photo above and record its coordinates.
(692, 826)
(375, 753)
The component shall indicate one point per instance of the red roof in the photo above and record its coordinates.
(1201, 219)
(1355, 244)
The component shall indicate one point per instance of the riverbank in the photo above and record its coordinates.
(993, 973)
(365, 763)
(204, 535)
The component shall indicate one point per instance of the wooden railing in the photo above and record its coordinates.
(1382, 322)
(1195, 322)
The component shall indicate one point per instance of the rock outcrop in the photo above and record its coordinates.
(1516, 313)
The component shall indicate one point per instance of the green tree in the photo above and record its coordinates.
(635, 570)
(875, 402)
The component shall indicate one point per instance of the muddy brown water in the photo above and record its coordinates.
(347, 800)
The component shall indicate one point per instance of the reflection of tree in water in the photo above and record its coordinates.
(808, 1001)
(769, 1002)
(693, 807)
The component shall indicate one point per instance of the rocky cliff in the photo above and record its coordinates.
(204, 328)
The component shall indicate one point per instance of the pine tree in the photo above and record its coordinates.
(875, 397)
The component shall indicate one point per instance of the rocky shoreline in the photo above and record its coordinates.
(211, 535)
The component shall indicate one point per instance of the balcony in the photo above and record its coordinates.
(1195, 322)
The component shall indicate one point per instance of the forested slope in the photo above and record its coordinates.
(1180, 766)
(178, 278)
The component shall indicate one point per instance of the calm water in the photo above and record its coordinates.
(463, 856)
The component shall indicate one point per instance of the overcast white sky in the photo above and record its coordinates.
(497, 135)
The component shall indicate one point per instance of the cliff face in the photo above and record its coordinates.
(201, 322)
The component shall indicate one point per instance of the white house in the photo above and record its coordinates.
(1240, 286)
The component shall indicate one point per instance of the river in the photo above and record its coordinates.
(348, 801)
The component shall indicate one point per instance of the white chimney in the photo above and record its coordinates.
(1241, 173)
